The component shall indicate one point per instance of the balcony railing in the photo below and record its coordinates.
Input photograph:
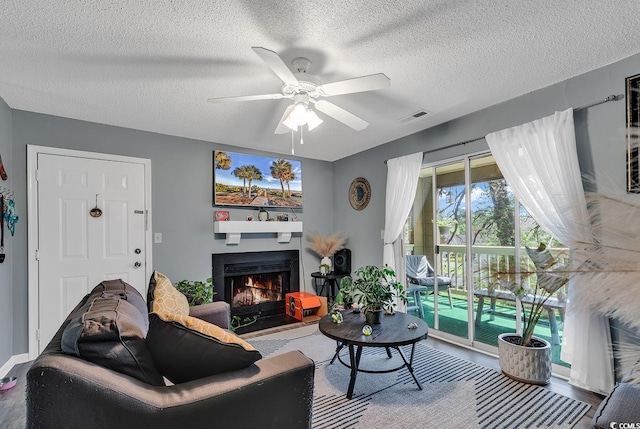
(487, 262)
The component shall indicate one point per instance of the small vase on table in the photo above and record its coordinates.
(325, 265)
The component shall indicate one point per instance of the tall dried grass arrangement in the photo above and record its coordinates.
(325, 246)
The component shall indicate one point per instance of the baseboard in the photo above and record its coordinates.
(13, 360)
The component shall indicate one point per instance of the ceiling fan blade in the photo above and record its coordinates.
(341, 115)
(282, 128)
(276, 64)
(248, 98)
(357, 84)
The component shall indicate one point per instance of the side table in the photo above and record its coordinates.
(329, 281)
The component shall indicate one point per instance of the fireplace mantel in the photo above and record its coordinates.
(235, 228)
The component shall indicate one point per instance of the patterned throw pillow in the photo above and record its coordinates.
(164, 298)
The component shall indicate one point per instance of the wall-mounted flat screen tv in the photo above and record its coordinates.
(240, 179)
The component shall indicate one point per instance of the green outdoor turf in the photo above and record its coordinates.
(454, 321)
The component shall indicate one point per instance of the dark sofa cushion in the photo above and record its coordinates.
(124, 290)
(185, 348)
(110, 331)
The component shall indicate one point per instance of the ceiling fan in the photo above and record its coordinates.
(305, 89)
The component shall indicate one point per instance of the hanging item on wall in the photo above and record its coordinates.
(3, 173)
(359, 193)
(1, 228)
(10, 217)
(96, 211)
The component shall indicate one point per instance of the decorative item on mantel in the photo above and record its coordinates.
(221, 215)
(325, 247)
(263, 215)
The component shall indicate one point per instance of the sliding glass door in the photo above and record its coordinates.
(472, 231)
(450, 192)
(493, 251)
(436, 231)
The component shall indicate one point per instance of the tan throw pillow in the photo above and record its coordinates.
(164, 298)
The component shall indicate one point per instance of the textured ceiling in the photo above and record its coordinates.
(152, 64)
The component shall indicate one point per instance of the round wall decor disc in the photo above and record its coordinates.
(359, 193)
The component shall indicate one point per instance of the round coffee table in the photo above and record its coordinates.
(392, 333)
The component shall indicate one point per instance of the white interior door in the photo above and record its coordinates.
(76, 250)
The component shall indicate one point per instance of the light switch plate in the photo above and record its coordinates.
(157, 237)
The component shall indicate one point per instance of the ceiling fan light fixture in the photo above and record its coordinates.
(313, 120)
(290, 123)
(301, 115)
(305, 88)
(297, 117)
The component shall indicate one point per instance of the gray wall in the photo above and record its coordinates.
(600, 134)
(6, 284)
(182, 199)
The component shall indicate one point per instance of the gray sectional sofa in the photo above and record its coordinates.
(621, 406)
(105, 388)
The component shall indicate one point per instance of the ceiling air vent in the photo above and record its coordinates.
(413, 116)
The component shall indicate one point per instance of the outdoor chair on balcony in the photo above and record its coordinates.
(421, 278)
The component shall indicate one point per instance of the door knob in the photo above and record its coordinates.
(138, 251)
(137, 264)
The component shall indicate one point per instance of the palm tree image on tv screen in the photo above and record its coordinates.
(256, 181)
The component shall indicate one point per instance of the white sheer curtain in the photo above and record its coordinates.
(539, 161)
(402, 182)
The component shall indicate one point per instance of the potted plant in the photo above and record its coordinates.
(325, 247)
(525, 357)
(197, 292)
(374, 289)
(238, 322)
(445, 224)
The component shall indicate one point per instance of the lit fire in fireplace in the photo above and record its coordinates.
(253, 290)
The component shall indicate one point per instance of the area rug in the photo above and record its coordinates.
(457, 393)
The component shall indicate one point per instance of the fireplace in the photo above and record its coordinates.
(255, 284)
